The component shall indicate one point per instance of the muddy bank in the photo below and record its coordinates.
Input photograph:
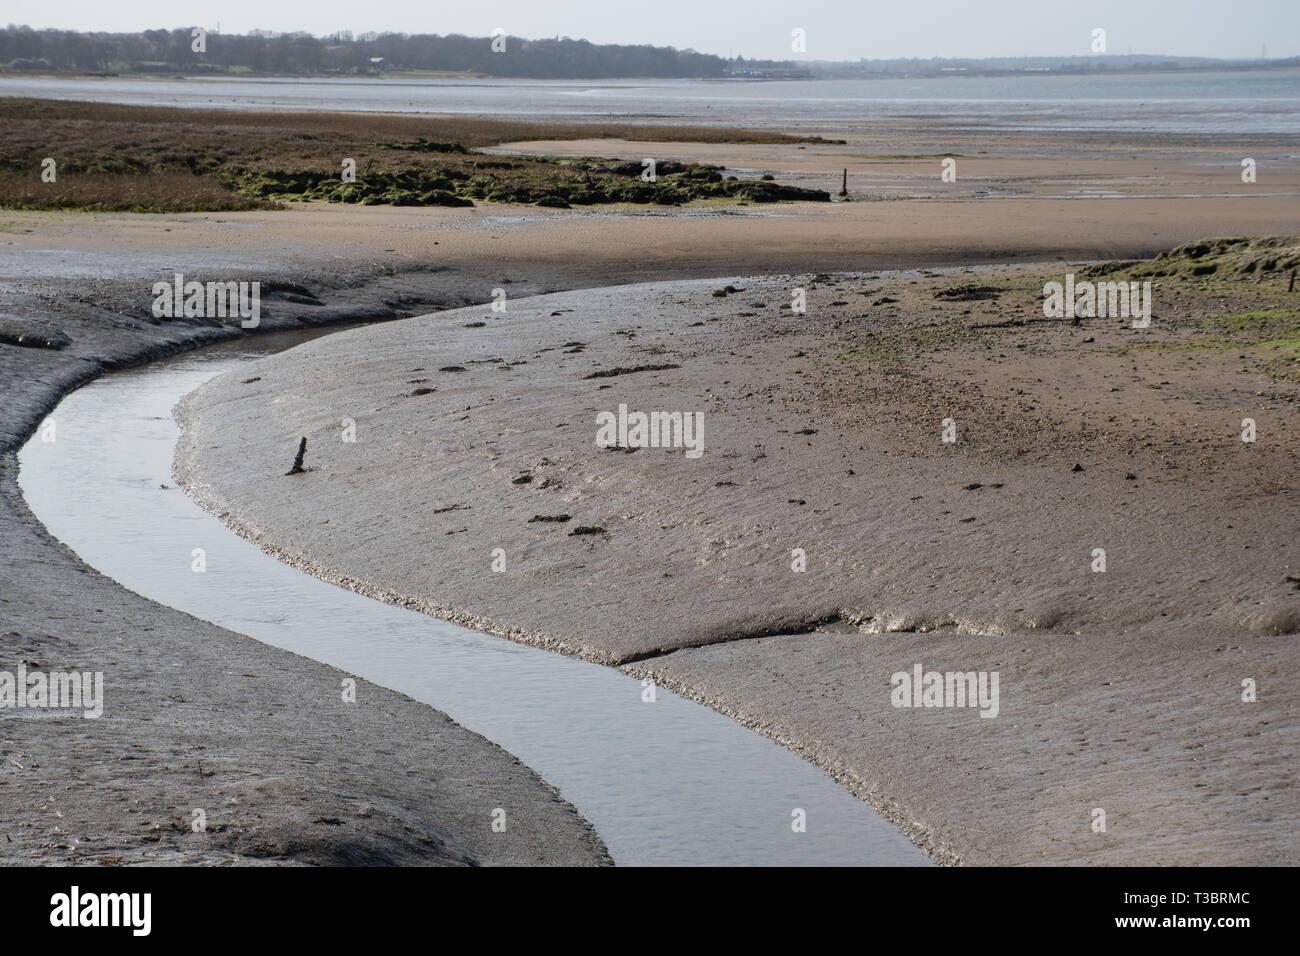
(195, 716)
(1121, 690)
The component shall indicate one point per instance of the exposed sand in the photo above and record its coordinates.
(197, 716)
(899, 163)
(1017, 197)
(1120, 690)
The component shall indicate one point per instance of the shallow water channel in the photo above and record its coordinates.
(668, 782)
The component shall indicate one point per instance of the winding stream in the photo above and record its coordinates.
(668, 782)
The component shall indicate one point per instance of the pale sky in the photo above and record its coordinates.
(835, 29)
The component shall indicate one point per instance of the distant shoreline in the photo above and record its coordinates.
(1292, 63)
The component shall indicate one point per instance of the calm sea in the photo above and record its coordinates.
(1222, 102)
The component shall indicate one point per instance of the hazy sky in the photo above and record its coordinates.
(836, 29)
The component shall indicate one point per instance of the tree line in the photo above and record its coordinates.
(22, 48)
(173, 51)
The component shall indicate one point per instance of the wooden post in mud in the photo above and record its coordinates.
(844, 186)
(297, 468)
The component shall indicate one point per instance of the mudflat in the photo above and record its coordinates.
(1120, 691)
(196, 717)
(1096, 532)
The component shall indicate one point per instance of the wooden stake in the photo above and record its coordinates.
(297, 468)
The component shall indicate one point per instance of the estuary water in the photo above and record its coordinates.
(1238, 101)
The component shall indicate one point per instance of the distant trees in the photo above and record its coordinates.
(22, 48)
(170, 50)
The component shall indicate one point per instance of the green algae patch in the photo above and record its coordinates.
(1229, 258)
(461, 179)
